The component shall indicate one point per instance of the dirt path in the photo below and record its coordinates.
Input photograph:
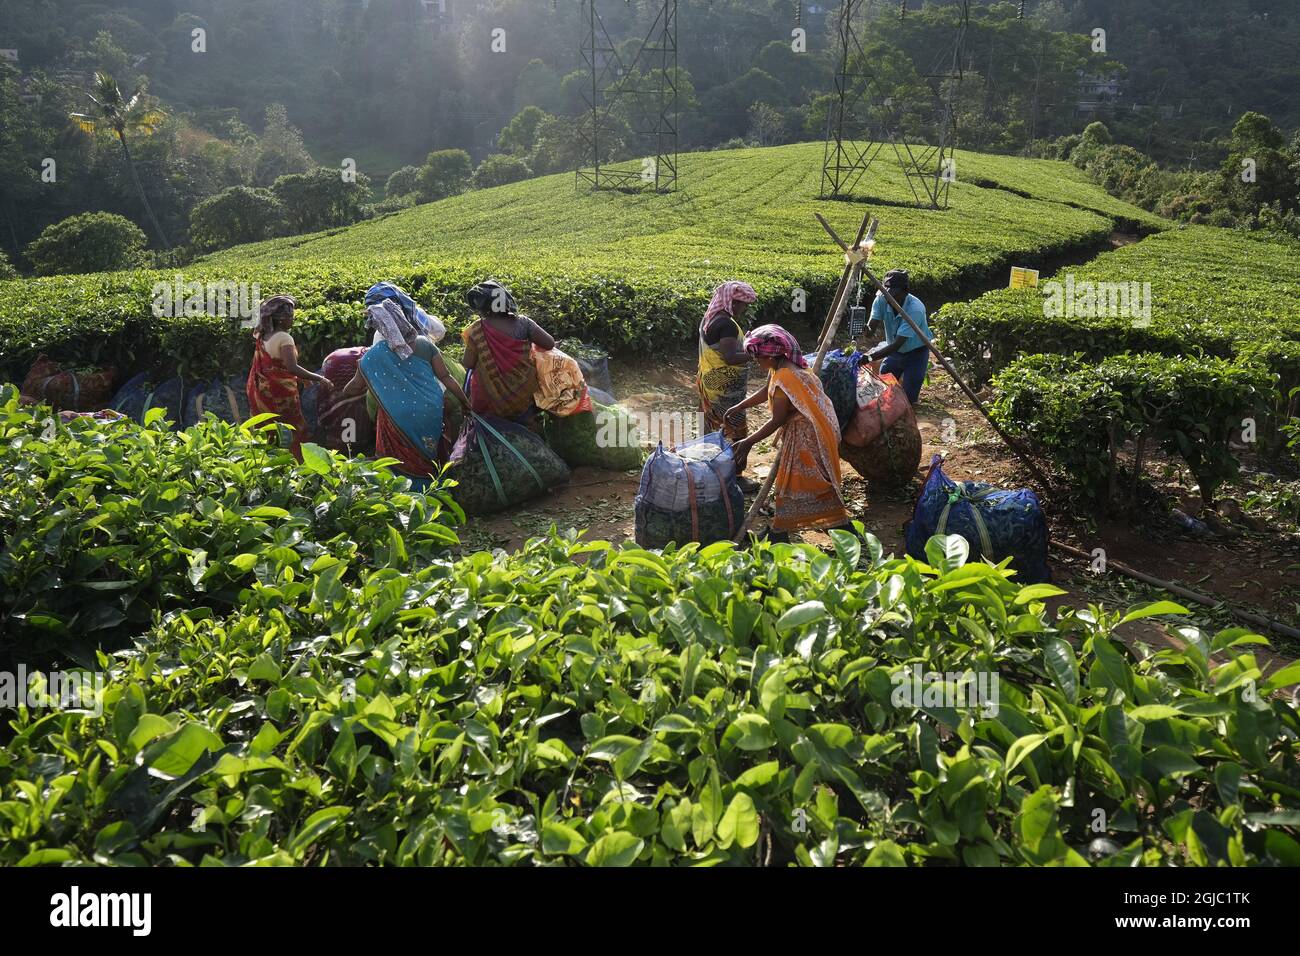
(1254, 571)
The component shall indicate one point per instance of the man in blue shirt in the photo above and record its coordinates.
(905, 355)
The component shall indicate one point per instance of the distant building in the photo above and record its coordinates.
(1096, 93)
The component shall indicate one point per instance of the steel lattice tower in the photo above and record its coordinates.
(646, 89)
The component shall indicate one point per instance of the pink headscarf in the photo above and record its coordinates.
(772, 341)
(727, 295)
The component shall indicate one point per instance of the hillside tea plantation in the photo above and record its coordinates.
(626, 271)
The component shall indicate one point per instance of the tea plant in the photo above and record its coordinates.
(577, 704)
(107, 526)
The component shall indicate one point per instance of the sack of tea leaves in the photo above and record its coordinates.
(140, 394)
(839, 376)
(225, 397)
(85, 390)
(498, 464)
(689, 494)
(882, 442)
(606, 437)
(344, 426)
(594, 363)
(995, 523)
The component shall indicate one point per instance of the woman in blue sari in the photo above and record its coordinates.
(409, 380)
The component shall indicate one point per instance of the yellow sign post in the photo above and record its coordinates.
(1024, 278)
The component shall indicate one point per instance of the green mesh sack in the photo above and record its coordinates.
(606, 437)
(498, 464)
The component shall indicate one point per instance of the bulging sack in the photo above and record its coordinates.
(607, 437)
(49, 383)
(689, 494)
(882, 441)
(594, 364)
(839, 378)
(995, 523)
(140, 394)
(342, 426)
(497, 464)
(226, 398)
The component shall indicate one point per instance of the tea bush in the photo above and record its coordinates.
(107, 526)
(576, 704)
(1078, 410)
(1213, 291)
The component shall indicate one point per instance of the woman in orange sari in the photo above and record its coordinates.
(273, 380)
(808, 488)
(499, 354)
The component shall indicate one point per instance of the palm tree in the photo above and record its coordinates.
(115, 112)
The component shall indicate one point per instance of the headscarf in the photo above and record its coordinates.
(726, 296)
(271, 309)
(382, 291)
(391, 322)
(484, 297)
(772, 341)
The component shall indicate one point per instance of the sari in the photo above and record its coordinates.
(273, 389)
(503, 382)
(409, 417)
(808, 485)
(721, 386)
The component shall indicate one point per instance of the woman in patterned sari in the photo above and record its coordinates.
(405, 372)
(273, 380)
(809, 494)
(723, 374)
(499, 354)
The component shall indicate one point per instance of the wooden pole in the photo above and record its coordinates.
(1181, 591)
(837, 311)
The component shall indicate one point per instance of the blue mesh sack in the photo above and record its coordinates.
(839, 377)
(689, 494)
(225, 397)
(995, 523)
(140, 394)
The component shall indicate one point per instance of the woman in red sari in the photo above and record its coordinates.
(499, 353)
(273, 380)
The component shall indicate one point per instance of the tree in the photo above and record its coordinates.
(90, 242)
(402, 182)
(446, 172)
(767, 127)
(1258, 170)
(237, 214)
(7, 271)
(498, 169)
(519, 137)
(558, 147)
(121, 115)
(279, 151)
(538, 85)
(321, 199)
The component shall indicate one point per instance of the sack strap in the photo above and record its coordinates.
(976, 499)
(492, 469)
(722, 489)
(76, 387)
(513, 450)
(695, 511)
